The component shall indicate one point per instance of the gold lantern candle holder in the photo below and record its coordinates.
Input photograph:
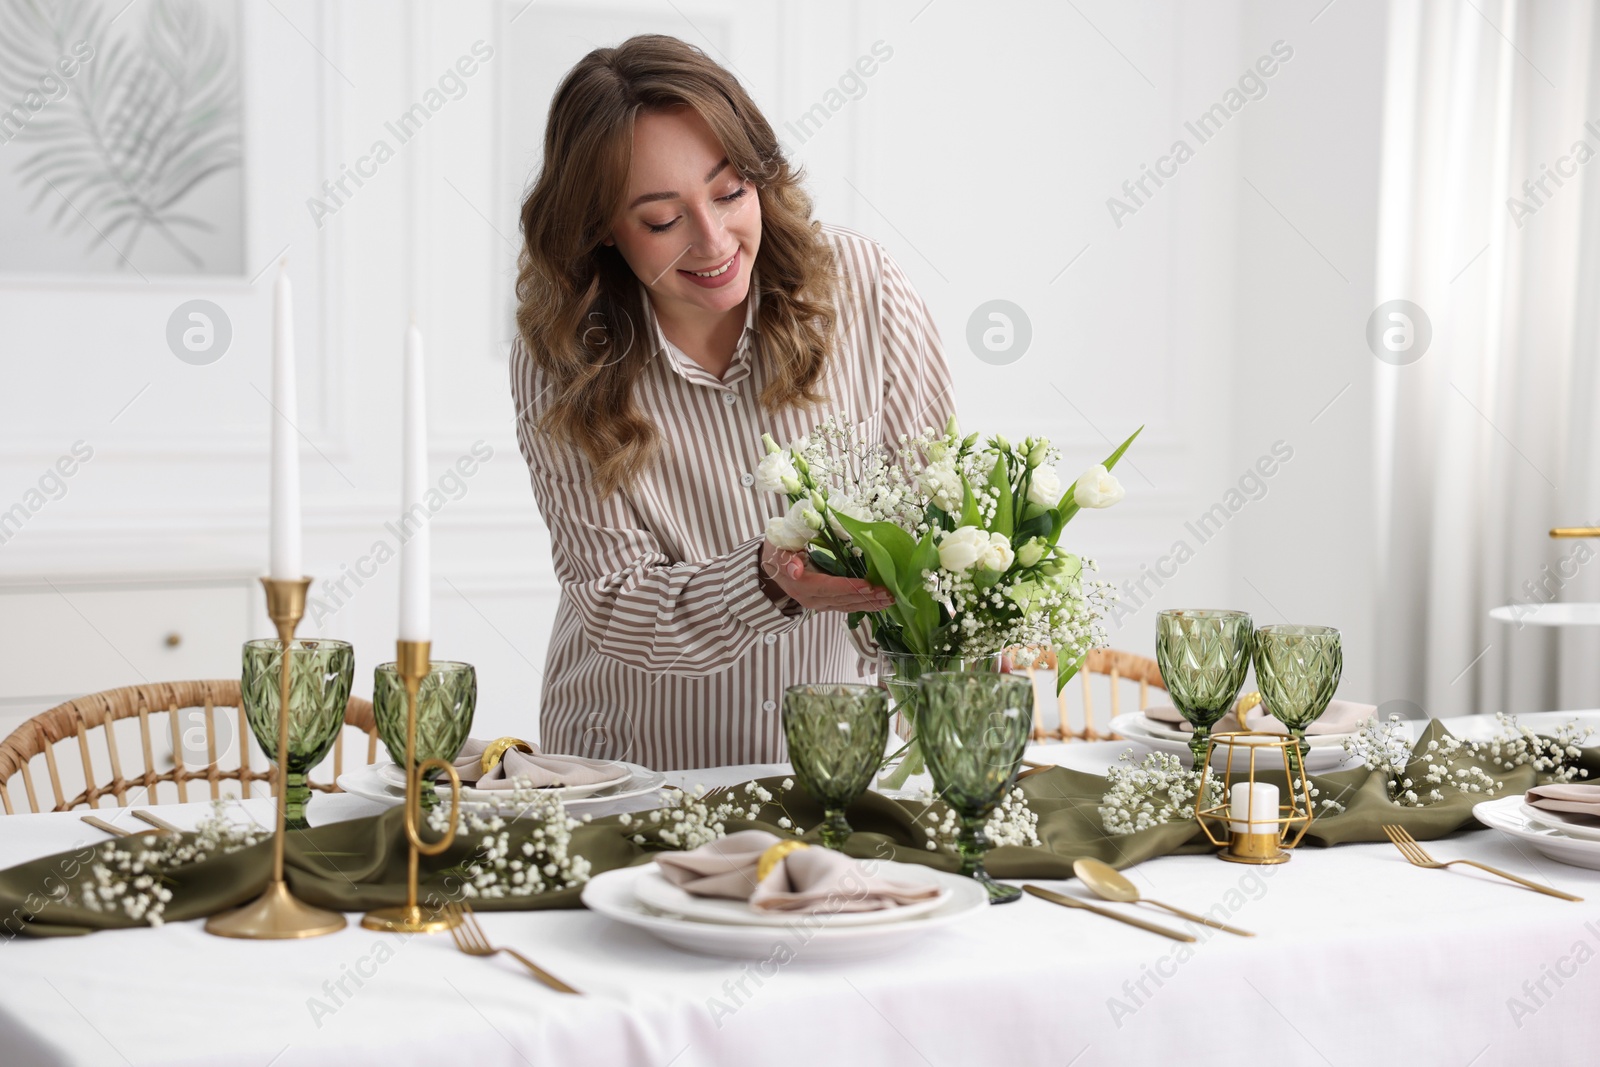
(1254, 834)
(412, 664)
(277, 913)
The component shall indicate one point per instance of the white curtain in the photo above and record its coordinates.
(1490, 437)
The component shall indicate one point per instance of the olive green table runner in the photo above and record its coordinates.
(360, 864)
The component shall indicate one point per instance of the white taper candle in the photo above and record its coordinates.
(284, 551)
(415, 571)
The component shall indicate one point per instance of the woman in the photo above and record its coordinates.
(675, 303)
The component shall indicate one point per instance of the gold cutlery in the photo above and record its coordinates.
(115, 831)
(157, 821)
(1072, 902)
(1417, 856)
(471, 939)
(1034, 768)
(1106, 881)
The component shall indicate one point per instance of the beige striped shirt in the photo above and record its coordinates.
(666, 651)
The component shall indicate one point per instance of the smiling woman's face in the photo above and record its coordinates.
(687, 215)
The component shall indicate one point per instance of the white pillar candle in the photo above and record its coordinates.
(415, 574)
(1253, 807)
(284, 550)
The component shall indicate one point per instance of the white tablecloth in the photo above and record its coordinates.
(1360, 959)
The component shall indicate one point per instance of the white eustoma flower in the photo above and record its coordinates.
(960, 548)
(1096, 488)
(996, 555)
(1031, 553)
(776, 474)
(794, 530)
(1044, 488)
(843, 504)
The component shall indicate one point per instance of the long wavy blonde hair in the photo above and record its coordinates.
(579, 307)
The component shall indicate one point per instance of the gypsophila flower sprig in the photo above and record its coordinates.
(129, 876)
(1156, 791)
(1552, 758)
(691, 818)
(540, 860)
(1386, 749)
(965, 534)
(1012, 822)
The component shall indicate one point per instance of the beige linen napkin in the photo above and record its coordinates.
(1577, 799)
(542, 770)
(814, 879)
(1341, 717)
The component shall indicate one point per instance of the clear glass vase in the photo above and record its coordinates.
(904, 770)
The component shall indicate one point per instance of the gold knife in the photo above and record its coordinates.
(1073, 902)
(157, 821)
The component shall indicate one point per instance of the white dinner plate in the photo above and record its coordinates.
(1571, 823)
(393, 776)
(1157, 728)
(1132, 725)
(1548, 614)
(366, 782)
(804, 937)
(1507, 814)
(656, 893)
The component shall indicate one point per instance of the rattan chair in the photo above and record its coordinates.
(98, 712)
(1119, 668)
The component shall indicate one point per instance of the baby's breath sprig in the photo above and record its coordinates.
(130, 876)
(1386, 749)
(1551, 757)
(1013, 822)
(541, 861)
(691, 818)
(1154, 792)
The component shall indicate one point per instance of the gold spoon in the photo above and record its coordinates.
(1109, 883)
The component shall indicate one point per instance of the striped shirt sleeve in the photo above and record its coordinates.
(634, 604)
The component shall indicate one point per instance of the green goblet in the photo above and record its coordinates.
(974, 728)
(1204, 657)
(1297, 671)
(836, 738)
(320, 674)
(446, 700)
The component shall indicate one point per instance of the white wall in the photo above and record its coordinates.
(982, 153)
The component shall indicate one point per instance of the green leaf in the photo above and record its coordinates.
(1000, 479)
(1065, 676)
(969, 506)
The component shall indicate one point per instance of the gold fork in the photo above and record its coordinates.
(1417, 856)
(471, 939)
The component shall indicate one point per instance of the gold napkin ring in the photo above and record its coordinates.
(1246, 702)
(497, 751)
(774, 856)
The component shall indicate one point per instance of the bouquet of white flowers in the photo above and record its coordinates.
(964, 535)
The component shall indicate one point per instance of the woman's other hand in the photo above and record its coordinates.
(793, 572)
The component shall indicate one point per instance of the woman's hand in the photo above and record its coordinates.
(793, 572)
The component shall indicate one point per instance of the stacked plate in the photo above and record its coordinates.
(642, 898)
(1563, 836)
(1327, 750)
(385, 783)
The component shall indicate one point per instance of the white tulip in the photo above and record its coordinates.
(776, 474)
(960, 548)
(793, 530)
(996, 555)
(1096, 488)
(1044, 487)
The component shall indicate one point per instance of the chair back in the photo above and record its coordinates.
(126, 752)
(1107, 678)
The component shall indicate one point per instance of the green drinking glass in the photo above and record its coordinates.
(899, 673)
(836, 737)
(446, 700)
(1297, 671)
(974, 728)
(1204, 657)
(320, 674)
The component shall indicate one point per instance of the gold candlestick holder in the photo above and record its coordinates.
(1575, 531)
(411, 661)
(1290, 820)
(276, 914)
